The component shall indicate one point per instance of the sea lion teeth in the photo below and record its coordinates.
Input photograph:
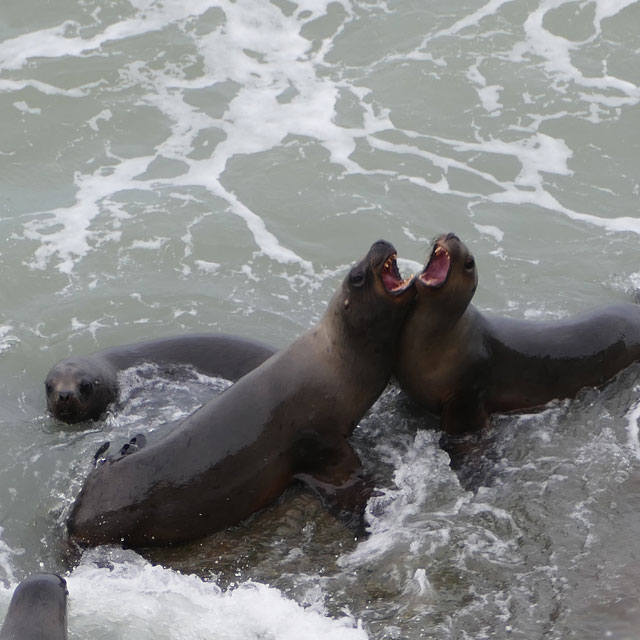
(288, 418)
(464, 365)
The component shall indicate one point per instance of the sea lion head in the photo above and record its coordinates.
(79, 389)
(38, 609)
(374, 296)
(450, 277)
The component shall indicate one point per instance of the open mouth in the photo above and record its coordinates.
(435, 273)
(391, 279)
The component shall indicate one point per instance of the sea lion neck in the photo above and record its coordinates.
(376, 331)
(439, 312)
(351, 342)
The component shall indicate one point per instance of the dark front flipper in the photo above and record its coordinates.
(99, 458)
(333, 471)
(135, 444)
(472, 457)
(347, 501)
(464, 413)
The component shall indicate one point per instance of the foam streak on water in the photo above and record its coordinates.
(281, 91)
(632, 428)
(130, 597)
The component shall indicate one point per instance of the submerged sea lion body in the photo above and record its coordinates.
(38, 610)
(82, 387)
(462, 364)
(292, 415)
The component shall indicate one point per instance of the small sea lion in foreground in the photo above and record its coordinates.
(464, 365)
(82, 387)
(38, 610)
(291, 416)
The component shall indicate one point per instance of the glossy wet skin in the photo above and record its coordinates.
(450, 278)
(77, 390)
(38, 610)
(289, 417)
(82, 387)
(375, 293)
(464, 365)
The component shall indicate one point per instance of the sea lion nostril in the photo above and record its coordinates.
(65, 396)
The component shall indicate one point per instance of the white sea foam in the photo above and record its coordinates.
(208, 267)
(104, 115)
(488, 94)
(7, 338)
(25, 108)
(490, 230)
(6, 565)
(633, 429)
(488, 9)
(65, 232)
(537, 154)
(62, 40)
(419, 472)
(7, 85)
(556, 53)
(134, 599)
(151, 245)
(282, 92)
(256, 120)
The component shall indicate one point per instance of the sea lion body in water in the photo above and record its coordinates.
(38, 610)
(292, 415)
(82, 387)
(463, 365)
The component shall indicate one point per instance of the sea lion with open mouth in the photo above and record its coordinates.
(464, 365)
(290, 417)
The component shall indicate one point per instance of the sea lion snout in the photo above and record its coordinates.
(65, 395)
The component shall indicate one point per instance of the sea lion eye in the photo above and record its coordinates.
(48, 387)
(469, 263)
(356, 278)
(85, 388)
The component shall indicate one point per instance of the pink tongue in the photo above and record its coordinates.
(437, 270)
(390, 280)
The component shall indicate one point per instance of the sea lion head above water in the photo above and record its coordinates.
(38, 609)
(450, 278)
(464, 365)
(291, 418)
(80, 388)
(374, 298)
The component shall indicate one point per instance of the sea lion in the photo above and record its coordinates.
(82, 387)
(464, 365)
(38, 610)
(292, 415)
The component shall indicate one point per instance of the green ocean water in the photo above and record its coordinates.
(209, 165)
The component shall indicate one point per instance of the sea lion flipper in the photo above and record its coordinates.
(135, 444)
(346, 501)
(98, 454)
(464, 413)
(342, 486)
